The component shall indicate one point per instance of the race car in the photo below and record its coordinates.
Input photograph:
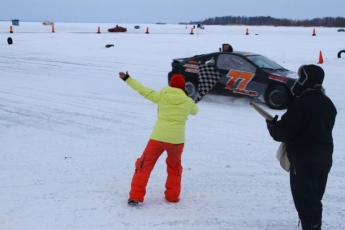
(236, 73)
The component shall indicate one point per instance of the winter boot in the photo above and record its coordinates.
(133, 202)
(311, 225)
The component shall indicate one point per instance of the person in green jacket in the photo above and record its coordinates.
(174, 107)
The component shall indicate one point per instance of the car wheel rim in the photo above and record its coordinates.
(190, 88)
(277, 98)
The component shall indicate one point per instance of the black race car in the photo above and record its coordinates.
(236, 73)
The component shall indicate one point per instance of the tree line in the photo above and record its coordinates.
(269, 21)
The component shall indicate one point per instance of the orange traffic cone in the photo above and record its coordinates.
(320, 58)
(314, 32)
(11, 30)
(147, 30)
(53, 29)
(191, 31)
(247, 31)
(99, 30)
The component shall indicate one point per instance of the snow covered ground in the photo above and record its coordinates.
(71, 130)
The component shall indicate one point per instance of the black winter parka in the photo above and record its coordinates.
(306, 128)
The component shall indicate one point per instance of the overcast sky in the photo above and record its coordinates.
(168, 11)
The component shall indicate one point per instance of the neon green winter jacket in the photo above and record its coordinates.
(174, 106)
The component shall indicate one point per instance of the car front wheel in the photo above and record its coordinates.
(278, 97)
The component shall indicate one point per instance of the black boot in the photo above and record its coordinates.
(311, 225)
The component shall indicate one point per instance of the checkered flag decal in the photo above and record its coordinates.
(208, 77)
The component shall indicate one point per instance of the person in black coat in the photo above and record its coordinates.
(306, 128)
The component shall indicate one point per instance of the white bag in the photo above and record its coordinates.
(282, 157)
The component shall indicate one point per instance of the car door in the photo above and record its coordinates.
(237, 75)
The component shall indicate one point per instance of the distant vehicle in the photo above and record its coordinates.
(117, 29)
(236, 73)
(200, 26)
(137, 27)
(341, 30)
(48, 23)
(15, 22)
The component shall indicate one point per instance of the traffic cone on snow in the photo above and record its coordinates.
(320, 58)
(191, 31)
(247, 31)
(11, 30)
(314, 34)
(99, 30)
(147, 30)
(53, 29)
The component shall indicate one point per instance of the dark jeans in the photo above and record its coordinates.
(308, 183)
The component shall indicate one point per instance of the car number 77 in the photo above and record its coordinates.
(234, 75)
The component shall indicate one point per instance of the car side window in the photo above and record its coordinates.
(259, 62)
(228, 62)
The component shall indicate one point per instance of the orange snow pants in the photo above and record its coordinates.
(145, 164)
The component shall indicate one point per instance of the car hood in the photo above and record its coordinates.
(284, 73)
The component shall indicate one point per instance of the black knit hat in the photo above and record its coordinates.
(310, 77)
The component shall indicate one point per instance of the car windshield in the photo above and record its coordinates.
(265, 63)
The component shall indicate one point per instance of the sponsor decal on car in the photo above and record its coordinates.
(278, 78)
(190, 66)
(192, 62)
(191, 70)
(245, 92)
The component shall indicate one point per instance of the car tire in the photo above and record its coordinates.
(277, 97)
(191, 88)
(339, 53)
(9, 40)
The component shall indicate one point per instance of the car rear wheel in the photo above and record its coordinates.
(278, 97)
(191, 88)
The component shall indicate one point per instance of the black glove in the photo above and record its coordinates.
(272, 122)
(126, 77)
